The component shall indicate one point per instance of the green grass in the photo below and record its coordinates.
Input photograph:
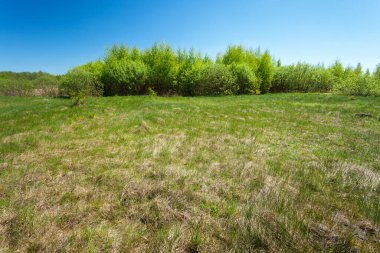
(272, 173)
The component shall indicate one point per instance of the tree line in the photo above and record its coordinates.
(28, 84)
(163, 71)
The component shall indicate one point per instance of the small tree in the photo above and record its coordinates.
(377, 73)
(265, 72)
(358, 70)
(162, 68)
(337, 70)
(234, 55)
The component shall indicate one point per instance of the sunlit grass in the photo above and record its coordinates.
(278, 172)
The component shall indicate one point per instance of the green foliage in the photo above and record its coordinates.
(265, 72)
(191, 78)
(151, 92)
(377, 73)
(244, 67)
(358, 70)
(216, 79)
(358, 85)
(245, 79)
(238, 55)
(129, 71)
(303, 78)
(191, 66)
(124, 77)
(337, 70)
(95, 67)
(79, 83)
(28, 84)
(162, 68)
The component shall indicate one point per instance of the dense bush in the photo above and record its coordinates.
(190, 67)
(162, 69)
(79, 83)
(358, 85)
(302, 78)
(191, 79)
(238, 55)
(245, 79)
(216, 79)
(124, 77)
(265, 72)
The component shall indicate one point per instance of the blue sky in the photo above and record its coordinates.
(54, 36)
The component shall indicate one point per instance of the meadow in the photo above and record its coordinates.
(283, 172)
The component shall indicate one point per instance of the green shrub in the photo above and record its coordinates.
(94, 67)
(237, 55)
(162, 69)
(78, 84)
(191, 79)
(124, 77)
(337, 70)
(303, 78)
(245, 79)
(151, 92)
(216, 80)
(358, 86)
(265, 72)
(188, 65)
(234, 55)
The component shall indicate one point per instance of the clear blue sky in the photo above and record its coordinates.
(54, 36)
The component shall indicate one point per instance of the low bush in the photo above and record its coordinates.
(79, 83)
(216, 79)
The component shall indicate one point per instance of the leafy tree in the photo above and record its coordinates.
(337, 70)
(358, 70)
(265, 72)
(377, 73)
(162, 68)
(234, 55)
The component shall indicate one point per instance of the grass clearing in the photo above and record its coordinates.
(276, 173)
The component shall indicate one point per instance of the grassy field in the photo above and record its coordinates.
(270, 173)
